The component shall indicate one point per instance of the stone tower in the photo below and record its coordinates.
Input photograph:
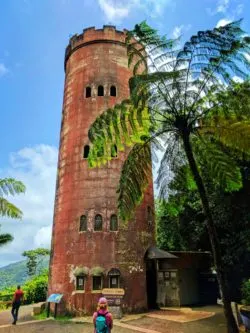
(91, 248)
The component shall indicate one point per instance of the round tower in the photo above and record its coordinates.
(91, 248)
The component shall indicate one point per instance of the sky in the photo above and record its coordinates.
(33, 37)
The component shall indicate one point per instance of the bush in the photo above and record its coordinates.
(35, 290)
(246, 292)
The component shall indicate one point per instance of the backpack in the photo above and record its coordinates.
(100, 323)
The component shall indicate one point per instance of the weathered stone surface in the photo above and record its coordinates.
(80, 190)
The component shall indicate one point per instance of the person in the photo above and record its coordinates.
(17, 298)
(102, 318)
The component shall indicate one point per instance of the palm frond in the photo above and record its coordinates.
(5, 238)
(9, 210)
(11, 186)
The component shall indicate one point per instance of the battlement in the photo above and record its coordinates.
(92, 35)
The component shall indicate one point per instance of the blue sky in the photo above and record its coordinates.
(33, 35)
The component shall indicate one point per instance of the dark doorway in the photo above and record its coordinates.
(151, 283)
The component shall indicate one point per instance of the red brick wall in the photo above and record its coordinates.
(81, 190)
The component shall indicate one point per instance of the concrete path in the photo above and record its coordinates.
(133, 324)
(24, 315)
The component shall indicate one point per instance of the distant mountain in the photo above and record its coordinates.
(16, 273)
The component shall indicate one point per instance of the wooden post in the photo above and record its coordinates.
(55, 313)
(48, 309)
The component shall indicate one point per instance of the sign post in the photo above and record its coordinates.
(53, 298)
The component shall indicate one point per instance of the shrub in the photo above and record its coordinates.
(35, 290)
(246, 292)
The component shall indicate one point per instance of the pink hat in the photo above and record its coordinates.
(102, 300)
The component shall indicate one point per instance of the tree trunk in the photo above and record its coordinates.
(231, 323)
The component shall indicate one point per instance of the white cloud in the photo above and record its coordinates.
(180, 29)
(223, 22)
(222, 6)
(237, 79)
(116, 10)
(239, 9)
(3, 69)
(36, 168)
(43, 237)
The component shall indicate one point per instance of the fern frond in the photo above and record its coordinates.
(220, 167)
(232, 134)
(135, 176)
(124, 125)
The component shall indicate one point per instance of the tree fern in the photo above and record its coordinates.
(179, 92)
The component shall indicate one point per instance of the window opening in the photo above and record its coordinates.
(114, 278)
(80, 282)
(86, 151)
(97, 283)
(100, 91)
(88, 92)
(113, 223)
(98, 223)
(112, 91)
(83, 223)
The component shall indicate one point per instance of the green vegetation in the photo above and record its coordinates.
(16, 273)
(9, 186)
(246, 292)
(34, 259)
(176, 105)
(35, 289)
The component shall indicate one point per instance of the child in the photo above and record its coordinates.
(102, 319)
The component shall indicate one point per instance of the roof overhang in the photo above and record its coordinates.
(154, 253)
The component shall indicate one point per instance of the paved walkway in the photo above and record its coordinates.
(23, 316)
(144, 323)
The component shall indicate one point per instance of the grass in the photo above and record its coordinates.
(61, 318)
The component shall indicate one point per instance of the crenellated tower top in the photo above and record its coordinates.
(91, 35)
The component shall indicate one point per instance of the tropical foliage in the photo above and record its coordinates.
(246, 292)
(181, 224)
(9, 186)
(34, 258)
(35, 289)
(174, 100)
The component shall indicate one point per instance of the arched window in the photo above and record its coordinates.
(83, 223)
(114, 278)
(86, 151)
(112, 91)
(98, 223)
(88, 92)
(149, 215)
(100, 91)
(113, 223)
(114, 151)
